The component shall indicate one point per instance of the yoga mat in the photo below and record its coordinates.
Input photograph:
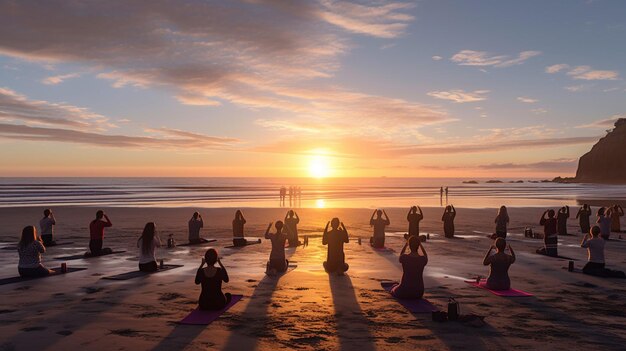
(413, 305)
(382, 249)
(239, 247)
(199, 244)
(56, 271)
(200, 317)
(78, 257)
(578, 270)
(137, 273)
(14, 247)
(507, 293)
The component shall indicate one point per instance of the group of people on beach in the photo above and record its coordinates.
(294, 193)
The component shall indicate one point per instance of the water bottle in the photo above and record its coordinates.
(453, 309)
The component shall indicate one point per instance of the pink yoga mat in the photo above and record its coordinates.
(200, 317)
(413, 305)
(508, 293)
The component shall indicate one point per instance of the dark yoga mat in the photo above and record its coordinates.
(239, 247)
(80, 256)
(199, 244)
(199, 317)
(507, 293)
(578, 270)
(413, 305)
(137, 273)
(13, 247)
(57, 271)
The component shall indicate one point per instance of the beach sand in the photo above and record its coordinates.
(306, 309)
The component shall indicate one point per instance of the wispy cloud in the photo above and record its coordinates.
(483, 58)
(556, 68)
(526, 100)
(437, 58)
(539, 111)
(606, 123)
(583, 72)
(54, 80)
(575, 88)
(385, 20)
(460, 96)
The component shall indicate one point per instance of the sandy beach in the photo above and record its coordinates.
(306, 309)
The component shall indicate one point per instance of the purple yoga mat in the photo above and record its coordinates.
(199, 317)
(508, 293)
(413, 305)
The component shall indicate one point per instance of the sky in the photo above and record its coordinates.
(316, 88)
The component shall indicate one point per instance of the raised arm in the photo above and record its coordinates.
(423, 249)
(372, 218)
(408, 215)
(325, 235)
(347, 238)
(584, 243)
(487, 259)
(567, 211)
(267, 231)
(406, 244)
(295, 214)
(387, 222)
(512, 254)
(107, 223)
(199, 273)
(578, 213)
(225, 273)
(542, 221)
(421, 213)
(620, 209)
(54, 221)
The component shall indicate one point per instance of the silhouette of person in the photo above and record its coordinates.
(291, 227)
(561, 220)
(46, 225)
(211, 278)
(499, 265)
(449, 213)
(277, 262)
(502, 222)
(30, 249)
(290, 195)
(412, 284)
(441, 196)
(238, 233)
(283, 194)
(550, 234)
(147, 243)
(379, 223)
(604, 222)
(195, 224)
(335, 259)
(446, 190)
(615, 213)
(96, 235)
(414, 219)
(595, 250)
(583, 218)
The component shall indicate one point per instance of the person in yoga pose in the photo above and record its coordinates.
(595, 250)
(502, 222)
(46, 224)
(412, 284)
(379, 223)
(583, 218)
(414, 219)
(30, 249)
(195, 224)
(211, 278)
(615, 213)
(550, 234)
(448, 221)
(147, 244)
(291, 227)
(238, 236)
(499, 264)
(96, 234)
(604, 222)
(277, 262)
(335, 259)
(561, 220)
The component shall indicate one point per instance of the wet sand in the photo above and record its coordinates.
(306, 308)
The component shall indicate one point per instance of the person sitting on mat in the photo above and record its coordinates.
(335, 259)
(238, 236)
(615, 213)
(595, 262)
(412, 284)
(379, 223)
(414, 219)
(448, 221)
(499, 265)
(46, 224)
(604, 222)
(291, 227)
(147, 244)
(211, 278)
(550, 237)
(96, 233)
(502, 221)
(561, 220)
(583, 218)
(277, 262)
(30, 249)
(195, 224)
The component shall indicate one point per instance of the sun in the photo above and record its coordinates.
(319, 166)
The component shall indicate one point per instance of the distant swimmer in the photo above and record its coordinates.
(412, 284)
(211, 278)
(147, 244)
(46, 225)
(379, 223)
(96, 234)
(335, 238)
(449, 213)
(291, 228)
(238, 233)
(604, 222)
(502, 222)
(550, 234)
(583, 218)
(561, 220)
(499, 265)
(414, 218)
(615, 213)
(277, 263)
(30, 249)
(195, 224)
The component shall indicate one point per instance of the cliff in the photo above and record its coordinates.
(606, 162)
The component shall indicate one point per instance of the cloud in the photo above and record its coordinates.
(575, 88)
(54, 80)
(560, 165)
(437, 58)
(527, 100)
(460, 96)
(483, 58)
(386, 20)
(607, 123)
(583, 72)
(556, 68)
(539, 111)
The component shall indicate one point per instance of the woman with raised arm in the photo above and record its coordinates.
(502, 222)
(238, 234)
(561, 220)
(96, 235)
(448, 221)
(414, 219)
(550, 234)
(30, 249)
(412, 284)
(379, 223)
(499, 264)
(277, 262)
(583, 218)
(291, 227)
(604, 222)
(335, 238)
(211, 278)
(147, 244)
(595, 251)
(615, 213)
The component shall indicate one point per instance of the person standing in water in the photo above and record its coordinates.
(615, 213)
(335, 259)
(414, 219)
(441, 196)
(195, 224)
(379, 223)
(30, 249)
(46, 225)
(210, 278)
(550, 234)
(595, 250)
(96, 234)
(448, 221)
(147, 243)
(583, 218)
(604, 222)
(561, 220)
(499, 265)
(291, 227)
(502, 222)
(446, 191)
(283, 194)
(277, 262)
(412, 284)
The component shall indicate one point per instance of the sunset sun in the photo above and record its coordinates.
(319, 166)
